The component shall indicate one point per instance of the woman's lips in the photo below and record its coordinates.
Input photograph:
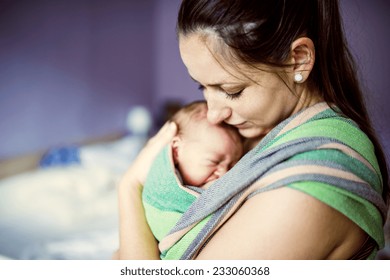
(239, 125)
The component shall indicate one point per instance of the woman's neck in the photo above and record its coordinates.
(250, 143)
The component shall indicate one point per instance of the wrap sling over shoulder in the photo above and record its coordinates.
(316, 151)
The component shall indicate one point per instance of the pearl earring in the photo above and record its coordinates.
(298, 78)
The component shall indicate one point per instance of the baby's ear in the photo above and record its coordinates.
(176, 141)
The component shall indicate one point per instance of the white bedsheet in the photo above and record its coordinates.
(66, 212)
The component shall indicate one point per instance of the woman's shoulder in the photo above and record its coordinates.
(320, 184)
(285, 224)
(324, 122)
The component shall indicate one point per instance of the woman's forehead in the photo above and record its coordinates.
(202, 61)
(209, 65)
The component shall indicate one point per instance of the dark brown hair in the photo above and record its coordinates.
(261, 32)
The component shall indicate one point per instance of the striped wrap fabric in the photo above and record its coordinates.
(316, 151)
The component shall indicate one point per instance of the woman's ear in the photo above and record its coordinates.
(176, 142)
(303, 58)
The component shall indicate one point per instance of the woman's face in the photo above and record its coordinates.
(252, 100)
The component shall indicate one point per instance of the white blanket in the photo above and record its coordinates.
(67, 212)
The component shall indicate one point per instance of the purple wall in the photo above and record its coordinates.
(70, 70)
(172, 81)
(367, 28)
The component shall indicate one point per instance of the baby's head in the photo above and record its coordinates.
(203, 152)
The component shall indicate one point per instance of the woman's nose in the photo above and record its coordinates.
(217, 114)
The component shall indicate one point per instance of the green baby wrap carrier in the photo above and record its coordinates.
(316, 151)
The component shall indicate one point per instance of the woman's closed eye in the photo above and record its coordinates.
(233, 95)
(230, 94)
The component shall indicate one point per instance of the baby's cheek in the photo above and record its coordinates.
(196, 176)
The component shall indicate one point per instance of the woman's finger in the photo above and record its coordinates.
(145, 158)
(165, 134)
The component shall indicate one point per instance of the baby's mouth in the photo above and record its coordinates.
(212, 178)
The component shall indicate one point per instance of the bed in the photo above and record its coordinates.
(67, 209)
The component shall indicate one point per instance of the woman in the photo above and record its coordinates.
(314, 182)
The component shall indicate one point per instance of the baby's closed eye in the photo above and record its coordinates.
(212, 162)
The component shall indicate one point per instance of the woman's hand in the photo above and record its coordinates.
(136, 239)
(141, 165)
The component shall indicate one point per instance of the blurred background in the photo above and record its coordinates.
(73, 72)
(70, 70)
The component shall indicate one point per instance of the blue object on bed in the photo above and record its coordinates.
(61, 156)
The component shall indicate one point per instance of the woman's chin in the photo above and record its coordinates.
(252, 133)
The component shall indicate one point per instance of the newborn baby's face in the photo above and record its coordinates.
(209, 155)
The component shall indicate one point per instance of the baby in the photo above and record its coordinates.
(198, 155)
(203, 152)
